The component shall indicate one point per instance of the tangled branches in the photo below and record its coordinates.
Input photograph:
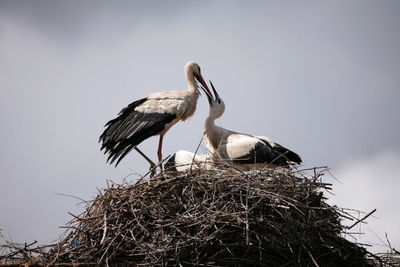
(269, 217)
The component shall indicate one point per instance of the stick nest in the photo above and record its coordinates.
(269, 217)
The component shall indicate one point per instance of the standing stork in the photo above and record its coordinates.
(153, 115)
(245, 151)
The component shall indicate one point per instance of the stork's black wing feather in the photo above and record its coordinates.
(281, 151)
(262, 152)
(130, 128)
(290, 155)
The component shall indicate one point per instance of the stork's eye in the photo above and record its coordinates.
(199, 69)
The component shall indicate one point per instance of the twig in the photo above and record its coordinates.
(66, 195)
(104, 229)
(360, 220)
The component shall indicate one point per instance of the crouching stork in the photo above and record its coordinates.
(244, 151)
(153, 115)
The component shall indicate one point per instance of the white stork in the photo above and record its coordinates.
(153, 115)
(244, 151)
(183, 160)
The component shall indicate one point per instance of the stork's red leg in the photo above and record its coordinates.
(152, 164)
(159, 151)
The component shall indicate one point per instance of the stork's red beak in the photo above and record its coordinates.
(203, 86)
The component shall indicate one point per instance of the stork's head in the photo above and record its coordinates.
(193, 73)
(217, 105)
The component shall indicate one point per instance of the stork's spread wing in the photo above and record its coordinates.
(130, 128)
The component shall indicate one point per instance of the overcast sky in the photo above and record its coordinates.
(320, 77)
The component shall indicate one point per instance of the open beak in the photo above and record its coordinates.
(203, 85)
(215, 92)
(212, 98)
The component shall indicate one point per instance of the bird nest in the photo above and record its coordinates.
(269, 217)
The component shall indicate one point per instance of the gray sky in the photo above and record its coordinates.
(320, 77)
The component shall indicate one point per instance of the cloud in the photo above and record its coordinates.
(74, 22)
(369, 183)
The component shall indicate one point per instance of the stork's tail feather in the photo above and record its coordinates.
(293, 157)
(290, 156)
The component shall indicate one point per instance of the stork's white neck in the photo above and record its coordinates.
(191, 81)
(210, 124)
(211, 132)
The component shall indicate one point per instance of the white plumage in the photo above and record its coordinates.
(184, 160)
(153, 115)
